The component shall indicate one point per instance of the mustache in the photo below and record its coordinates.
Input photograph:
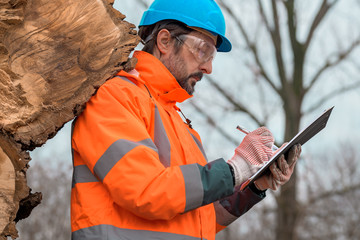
(198, 75)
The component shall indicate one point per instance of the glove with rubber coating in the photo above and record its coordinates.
(251, 154)
(281, 170)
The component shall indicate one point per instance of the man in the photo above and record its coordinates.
(140, 172)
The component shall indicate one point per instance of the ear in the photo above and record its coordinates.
(164, 41)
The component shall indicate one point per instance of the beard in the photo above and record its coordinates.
(177, 66)
(188, 83)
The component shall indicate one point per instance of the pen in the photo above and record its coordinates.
(274, 147)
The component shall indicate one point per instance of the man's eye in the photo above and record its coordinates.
(201, 53)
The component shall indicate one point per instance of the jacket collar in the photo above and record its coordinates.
(157, 77)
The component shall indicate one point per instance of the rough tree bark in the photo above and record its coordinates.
(53, 56)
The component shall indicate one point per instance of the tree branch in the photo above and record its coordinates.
(332, 193)
(263, 16)
(278, 44)
(212, 123)
(267, 109)
(275, 37)
(237, 106)
(298, 53)
(325, 7)
(250, 44)
(341, 57)
(332, 94)
(289, 5)
(143, 3)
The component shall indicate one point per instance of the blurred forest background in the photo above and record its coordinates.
(291, 60)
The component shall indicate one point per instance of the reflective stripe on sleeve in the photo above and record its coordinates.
(112, 232)
(161, 140)
(193, 186)
(115, 152)
(82, 174)
(206, 184)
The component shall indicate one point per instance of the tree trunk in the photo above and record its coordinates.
(287, 210)
(53, 56)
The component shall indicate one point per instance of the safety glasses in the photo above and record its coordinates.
(202, 50)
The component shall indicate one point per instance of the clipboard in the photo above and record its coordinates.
(302, 137)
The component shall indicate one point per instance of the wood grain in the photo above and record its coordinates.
(53, 56)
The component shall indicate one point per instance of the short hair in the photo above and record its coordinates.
(149, 33)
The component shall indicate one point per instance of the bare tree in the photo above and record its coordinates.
(286, 68)
(331, 196)
(285, 52)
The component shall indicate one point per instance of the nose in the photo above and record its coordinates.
(206, 67)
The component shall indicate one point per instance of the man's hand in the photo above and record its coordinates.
(281, 170)
(250, 155)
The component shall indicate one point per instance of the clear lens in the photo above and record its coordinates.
(202, 50)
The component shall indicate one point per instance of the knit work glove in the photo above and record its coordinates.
(280, 171)
(251, 154)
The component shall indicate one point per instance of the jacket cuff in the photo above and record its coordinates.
(254, 189)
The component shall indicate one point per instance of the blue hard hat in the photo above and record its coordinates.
(205, 14)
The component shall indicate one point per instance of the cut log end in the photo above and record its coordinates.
(51, 63)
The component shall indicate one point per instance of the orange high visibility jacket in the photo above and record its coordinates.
(140, 172)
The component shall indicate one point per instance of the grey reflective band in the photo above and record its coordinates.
(126, 79)
(206, 184)
(223, 217)
(161, 140)
(100, 232)
(82, 174)
(198, 143)
(194, 190)
(115, 152)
